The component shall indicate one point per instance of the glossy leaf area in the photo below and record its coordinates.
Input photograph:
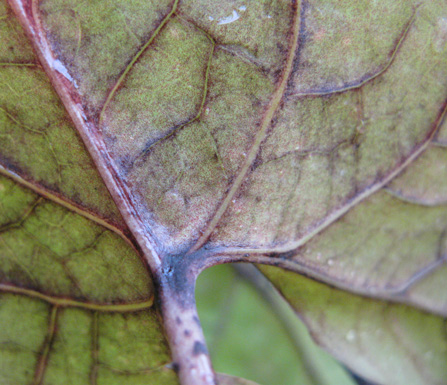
(309, 135)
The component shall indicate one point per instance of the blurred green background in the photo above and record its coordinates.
(252, 332)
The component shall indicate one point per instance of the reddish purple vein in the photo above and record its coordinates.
(261, 134)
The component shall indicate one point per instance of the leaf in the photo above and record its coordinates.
(73, 286)
(387, 343)
(242, 325)
(306, 135)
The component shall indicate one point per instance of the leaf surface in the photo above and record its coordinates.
(76, 301)
(304, 134)
(387, 343)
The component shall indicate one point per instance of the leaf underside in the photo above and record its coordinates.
(309, 135)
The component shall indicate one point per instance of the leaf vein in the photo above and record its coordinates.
(293, 245)
(135, 59)
(360, 83)
(68, 302)
(261, 134)
(64, 202)
(46, 348)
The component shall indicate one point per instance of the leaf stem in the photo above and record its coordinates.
(190, 355)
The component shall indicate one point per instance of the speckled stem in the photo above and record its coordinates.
(188, 347)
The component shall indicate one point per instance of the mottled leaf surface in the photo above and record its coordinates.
(304, 134)
(76, 301)
(38, 142)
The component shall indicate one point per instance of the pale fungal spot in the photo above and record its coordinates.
(229, 19)
(207, 111)
(175, 33)
(440, 39)
(210, 18)
(174, 200)
(346, 41)
(361, 129)
(81, 111)
(330, 262)
(319, 35)
(59, 67)
(269, 16)
(350, 336)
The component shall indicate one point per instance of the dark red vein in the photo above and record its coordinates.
(202, 101)
(26, 214)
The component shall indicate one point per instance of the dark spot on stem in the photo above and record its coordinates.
(178, 320)
(175, 367)
(187, 333)
(196, 320)
(199, 348)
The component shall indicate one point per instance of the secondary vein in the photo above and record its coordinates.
(43, 360)
(260, 136)
(361, 83)
(135, 58)
(65, 202)
(67, 302)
